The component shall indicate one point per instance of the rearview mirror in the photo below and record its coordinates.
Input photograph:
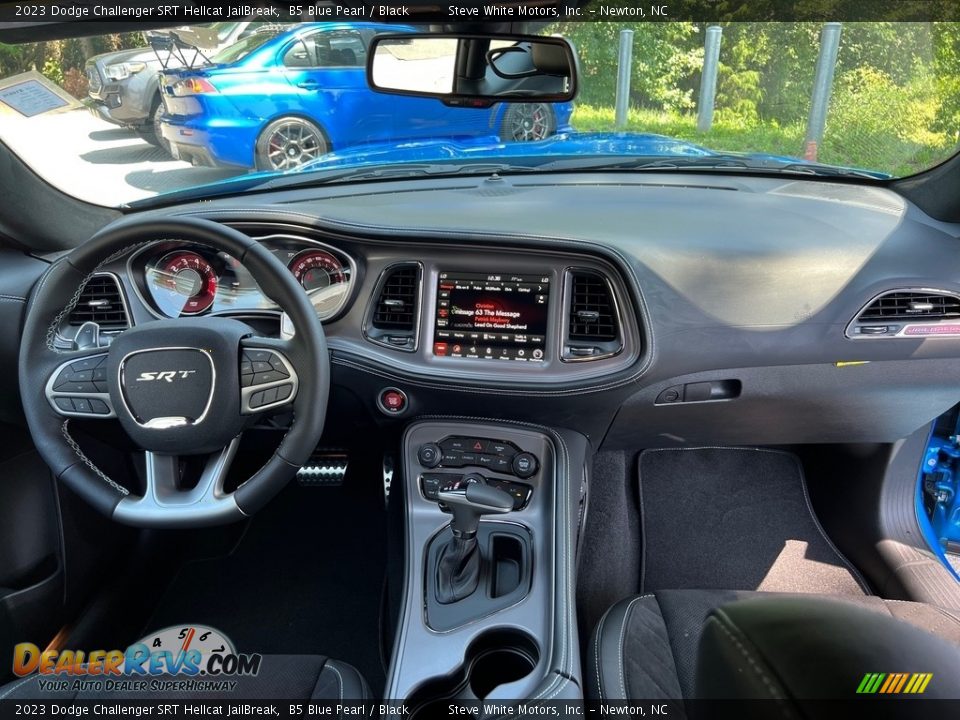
(473, 70)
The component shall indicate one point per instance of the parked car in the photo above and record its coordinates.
(124, 86)
(276, 103)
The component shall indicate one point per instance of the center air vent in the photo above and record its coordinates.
(910, 306)
(593, 324)
(909, 313)
(395, 313)
(102, 303)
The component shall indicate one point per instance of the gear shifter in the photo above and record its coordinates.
(458, 570)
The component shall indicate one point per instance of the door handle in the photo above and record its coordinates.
(309, 85)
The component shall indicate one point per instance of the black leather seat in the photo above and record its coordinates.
(281, 677)
(686, 644)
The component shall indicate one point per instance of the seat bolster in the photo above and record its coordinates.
(630, 655)
(338, 682)
(806, 648)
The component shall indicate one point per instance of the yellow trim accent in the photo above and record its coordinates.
(914, 681)
(850, 363)
(925, 683)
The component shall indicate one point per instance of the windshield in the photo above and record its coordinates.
(107, 121)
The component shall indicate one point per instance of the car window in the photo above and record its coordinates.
(241, 49)
(326, 50)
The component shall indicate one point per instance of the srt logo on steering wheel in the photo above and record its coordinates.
(168, 375)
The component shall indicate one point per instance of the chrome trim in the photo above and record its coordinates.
(276, 310)
(147, 425)
(372, 306)
(52, 394)
(247, 392)
(564, 329)
(905, 323)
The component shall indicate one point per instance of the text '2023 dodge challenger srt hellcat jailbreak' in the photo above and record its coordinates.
(403, 360)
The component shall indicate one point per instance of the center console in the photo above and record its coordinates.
(487, 610)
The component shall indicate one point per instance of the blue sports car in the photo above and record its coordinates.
(277, 100)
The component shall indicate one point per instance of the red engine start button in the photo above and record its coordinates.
(392, 401)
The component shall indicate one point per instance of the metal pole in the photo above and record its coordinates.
(708, 79)
(822, 86)
(624, 67)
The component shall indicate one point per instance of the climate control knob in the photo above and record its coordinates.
(429, 455)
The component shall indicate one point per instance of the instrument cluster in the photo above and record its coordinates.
(184, 279)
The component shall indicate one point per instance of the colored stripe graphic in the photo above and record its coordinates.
(894, 683)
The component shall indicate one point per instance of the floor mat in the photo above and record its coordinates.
(734, 519)
(306, 578)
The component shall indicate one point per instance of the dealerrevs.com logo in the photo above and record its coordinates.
(180, 658)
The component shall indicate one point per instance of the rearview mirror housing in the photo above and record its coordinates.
(473, 70)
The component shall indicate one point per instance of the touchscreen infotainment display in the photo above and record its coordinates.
(491, 316)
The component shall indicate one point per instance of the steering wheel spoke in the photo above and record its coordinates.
(169, 505)
(77, 388)
(268, 379)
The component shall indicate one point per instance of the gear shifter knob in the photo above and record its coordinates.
(473, 502)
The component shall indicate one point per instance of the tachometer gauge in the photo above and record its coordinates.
(324, 278)
(183, 283)
(316, 270)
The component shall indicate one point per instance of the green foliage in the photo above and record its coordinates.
(895, 104)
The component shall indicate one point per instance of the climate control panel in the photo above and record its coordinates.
(499, 456)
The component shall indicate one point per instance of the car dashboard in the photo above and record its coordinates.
(670, 310)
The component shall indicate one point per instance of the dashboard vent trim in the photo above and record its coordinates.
(592, 319)
(394, 316)
(101, 301)
(908, 312)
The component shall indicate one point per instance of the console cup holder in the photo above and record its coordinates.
(497, 657)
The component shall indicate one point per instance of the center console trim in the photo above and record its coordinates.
(560, 663)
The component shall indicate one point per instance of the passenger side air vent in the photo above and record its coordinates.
(915, 313)
(394, 317)
(592, 319)
(102, 303)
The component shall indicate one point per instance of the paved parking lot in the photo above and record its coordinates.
(95, 161)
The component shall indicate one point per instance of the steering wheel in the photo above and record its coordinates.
(187, 386)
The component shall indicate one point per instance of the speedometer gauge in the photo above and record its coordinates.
(316, 270)
(183, 283)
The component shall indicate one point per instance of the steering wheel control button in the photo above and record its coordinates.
(392, 401)
(525, 465)
(429, 455)
(79, 376)
(266, 379)
(79, 388)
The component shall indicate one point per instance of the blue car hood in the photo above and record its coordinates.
(492, 148)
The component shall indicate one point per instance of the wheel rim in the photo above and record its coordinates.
(293, 143)
(529, 122)
(157, 126)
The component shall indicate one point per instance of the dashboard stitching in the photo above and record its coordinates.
(562, 680)
(420, 233)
